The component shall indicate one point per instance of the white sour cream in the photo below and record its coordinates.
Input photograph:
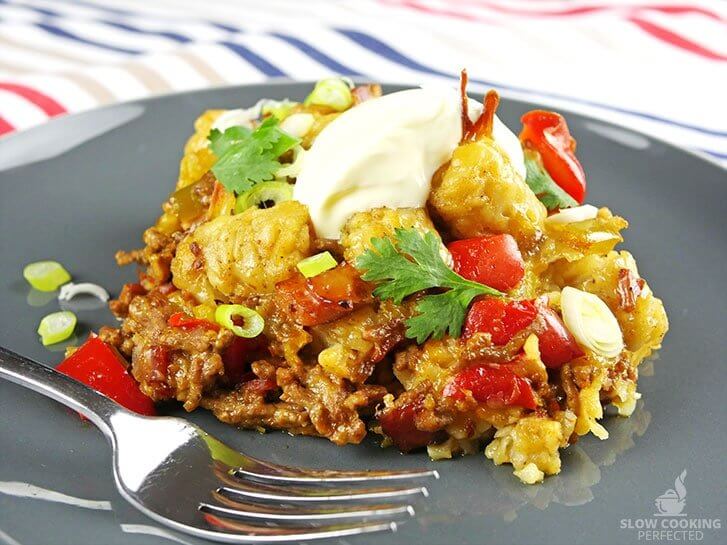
(384, 152)
(509, 143)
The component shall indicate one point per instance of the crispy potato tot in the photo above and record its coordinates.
(643, 326)
(479, 193)
(380, 222)
(198, 158)
(245, 254)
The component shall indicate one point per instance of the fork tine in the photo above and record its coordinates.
(282, 492)
(309, 516)
(272, 534)
(271, 472)
(300, 495)
(270, 509)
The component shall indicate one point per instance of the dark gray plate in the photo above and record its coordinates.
(79, 188)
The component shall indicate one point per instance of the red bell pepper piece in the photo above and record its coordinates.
(494, 261)
(99, 366)
(504, 319)
(325, 297)
(187, 322)
(492, 384)
(548, 134)
(557, 344)
(399, 424)
(500, 318)
(240, 354)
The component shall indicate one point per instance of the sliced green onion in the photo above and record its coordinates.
(316, 264)
(298, 124)
(264, 195)
(279, 109)
(291, 170)
(46, 275)
(253, 323)
(56, 327)
(332, 92)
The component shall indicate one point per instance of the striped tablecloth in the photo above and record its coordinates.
(658, 66)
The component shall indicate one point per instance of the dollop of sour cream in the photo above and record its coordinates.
(509, 143)
(384, 152)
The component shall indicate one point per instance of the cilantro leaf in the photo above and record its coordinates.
(272, 138)
(241, 167)
(549, 193)
(400, 276)
(221, 142)
(415, 264)
(246, 157)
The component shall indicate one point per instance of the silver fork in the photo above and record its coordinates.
(184, 478)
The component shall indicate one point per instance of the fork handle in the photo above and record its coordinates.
(95, 406)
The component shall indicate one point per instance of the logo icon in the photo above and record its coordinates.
(672, 502)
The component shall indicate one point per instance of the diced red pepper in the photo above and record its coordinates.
(187, 322)
(399, 424)
(500, 318)
(239, 355)
(504, 319)
(548, 134)
(324, 297)
(492, 384)
(99, 366)
(557, 344)
(494, 261)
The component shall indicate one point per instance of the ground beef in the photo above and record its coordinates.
(321, 405)
(168, 362)
(189, 365)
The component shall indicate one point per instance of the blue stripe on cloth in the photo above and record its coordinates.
(42, 11)
(114, 24)
(57, 31)
(364, 40)
(717, 154)
(256, 60)
(316, 54)
(377, 46)
(136, 30)
(106, 9)
(222, 26)
(383, 50)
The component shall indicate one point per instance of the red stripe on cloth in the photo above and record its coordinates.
(431, 10)
(676, 40)
(585, 10)
(453, 11)
(659, 32)
(43, 101)
(5, 127)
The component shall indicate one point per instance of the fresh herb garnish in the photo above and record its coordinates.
(220, 142)
(246, 157)
(413, 265)
(549, 193)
